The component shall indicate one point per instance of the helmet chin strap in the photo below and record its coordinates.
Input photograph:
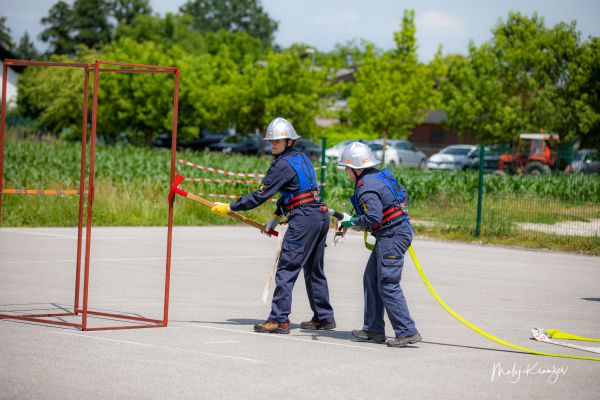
(356, 175)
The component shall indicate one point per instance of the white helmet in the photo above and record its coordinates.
(281, 128)
(358, 155)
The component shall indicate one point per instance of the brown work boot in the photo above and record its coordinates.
(317, 325)
(403, 342)
(273, 327)
(369, 336)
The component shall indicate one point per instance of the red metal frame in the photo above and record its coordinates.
(85, 311)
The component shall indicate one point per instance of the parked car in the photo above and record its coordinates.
(456, 157)
(586, 161)
(164, 140)
(400, 152)
(205, 140)
(491, 157)
(200, 143)
(243, 144)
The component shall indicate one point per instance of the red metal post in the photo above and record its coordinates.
(40, 320)
(121, 327)
(137, 71)
(171, 178)
(123, 64)
(151, 323)
(88, 231)
(122, 316)
(2, 129)
(45, 63)
(82, 184)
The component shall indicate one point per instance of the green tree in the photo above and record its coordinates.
(26, 49)
(242, 47)
(5, 38)
(178, 30)
(233, 16)
(88, 22)
(53, 96)
(91, 22)
(223, 84)
(406, 41)
(281, 85)
(584, 87)
(168, 31)
(132, 107)
(345, 55)
(394, 92)
(137, 107)
(518, 81)
(209, 97)
(125, 11)
(475, 102)
(59, 33)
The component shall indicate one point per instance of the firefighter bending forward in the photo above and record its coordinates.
(380, 205)
(292, 175)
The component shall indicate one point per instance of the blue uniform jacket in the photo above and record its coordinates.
(280, 176)
(373, 198)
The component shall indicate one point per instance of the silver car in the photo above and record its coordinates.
(457, 157)
(586, 161)
(400, 152)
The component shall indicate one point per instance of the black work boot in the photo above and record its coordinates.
(317, 325)
(369, 336)
(404, 341)
(273, 327)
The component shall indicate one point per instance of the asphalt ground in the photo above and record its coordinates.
(209, 350)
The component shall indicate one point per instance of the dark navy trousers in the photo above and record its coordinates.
(303, 248)
(381, 282)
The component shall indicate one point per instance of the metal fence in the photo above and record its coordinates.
(508, 215)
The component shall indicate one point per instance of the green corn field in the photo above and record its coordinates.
(132, 185)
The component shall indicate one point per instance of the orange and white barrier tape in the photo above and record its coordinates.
(227, 196)
(35, 191)
(245, 182)
(221, 171)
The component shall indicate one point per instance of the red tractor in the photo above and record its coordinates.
(536, 154)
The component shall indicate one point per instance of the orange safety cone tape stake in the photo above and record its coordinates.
(175, 189)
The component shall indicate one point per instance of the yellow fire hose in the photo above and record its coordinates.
(556, 334)
(553, 332)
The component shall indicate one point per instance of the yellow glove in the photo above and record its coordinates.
(221, 209)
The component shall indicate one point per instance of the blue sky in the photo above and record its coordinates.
(324, 23)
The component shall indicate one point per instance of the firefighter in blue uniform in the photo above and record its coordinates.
(293, 176)
(380, 205)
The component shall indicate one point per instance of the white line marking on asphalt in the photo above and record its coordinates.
(133, 259)
(95, 238)
(224, 341)
(159, 347)
(277, 336)
(41, 234)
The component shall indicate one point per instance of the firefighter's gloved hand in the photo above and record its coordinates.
(347, 217)
(347, 223)
(221, 209)
(272, 224)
